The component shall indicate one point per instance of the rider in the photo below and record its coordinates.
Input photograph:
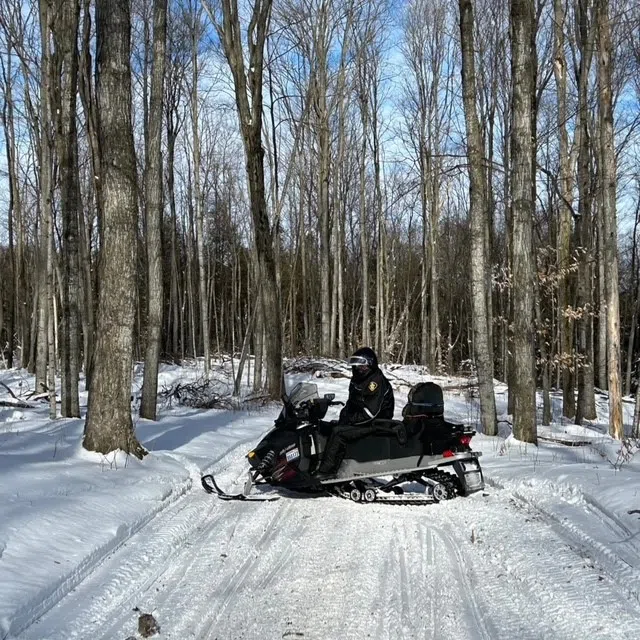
(370, 398)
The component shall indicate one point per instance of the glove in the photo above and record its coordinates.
(326, 427)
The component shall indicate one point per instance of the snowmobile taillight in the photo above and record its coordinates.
(465, 440)
(448, 454)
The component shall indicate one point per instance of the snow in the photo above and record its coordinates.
(551, 548)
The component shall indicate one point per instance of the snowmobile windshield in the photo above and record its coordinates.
(303, 391)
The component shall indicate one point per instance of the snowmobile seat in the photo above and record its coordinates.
(388, 440)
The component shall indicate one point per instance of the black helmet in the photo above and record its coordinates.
(363, 361)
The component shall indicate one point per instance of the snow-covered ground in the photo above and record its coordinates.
(551, 548)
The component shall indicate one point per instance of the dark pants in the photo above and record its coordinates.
(336, 447)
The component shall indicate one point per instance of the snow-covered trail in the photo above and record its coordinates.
(491, 566)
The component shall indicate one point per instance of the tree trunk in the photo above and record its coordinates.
(607, 168)
(483, 348)
(380, 333)
(175, 296)
(248, 94)
(565, 321)
(45, 273)
(635, 311)
(523, 66)
(88, 99)
(258, 332)
(601, 361)
(585, 408)
(435, 350)
(153, 214)
(364, 235)
(424, 271)
(323, 133)
(15, 294)
(635, 427)
(66, 74)
(197, 196)
(109, 426)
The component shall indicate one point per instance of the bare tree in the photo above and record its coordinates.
(109, 425)
(248, 94)
(65, 63)
(321, 41)
(565, 321)
(45, 341)
(363, 81)
(522, 180)
(608, 185)
(153, 213)
(89, 105)
(585, 408)
(196, 32)
(429, 96)
(14, 215)
(478, 214)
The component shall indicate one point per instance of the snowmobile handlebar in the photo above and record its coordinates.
(307, 404)
(315, 409)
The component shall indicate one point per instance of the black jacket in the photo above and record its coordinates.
(369, 398)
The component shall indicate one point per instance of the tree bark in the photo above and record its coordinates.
(88, 98)
(14, 215)
(483, 348)
(66, 86)
(199, 213)
(380, 333)
(153, 214)
(585, 408)
(363, 101)
(45, 268)
(248, 94)
(607, 168)
(523, 66)
(565, 322)
(320, 79)
(109, 425)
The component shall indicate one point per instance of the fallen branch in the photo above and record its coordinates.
(199, 394)
(17, 404)
(566, 441)
(13, 395)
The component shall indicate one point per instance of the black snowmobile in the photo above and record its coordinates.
(421, 459)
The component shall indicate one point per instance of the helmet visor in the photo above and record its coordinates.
(359, 361)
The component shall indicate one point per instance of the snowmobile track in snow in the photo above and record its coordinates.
(176, 523)
(622, 567)
(486, 567)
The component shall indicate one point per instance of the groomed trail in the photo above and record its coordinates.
(496, 565)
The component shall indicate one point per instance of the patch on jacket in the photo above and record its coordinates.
(373, 386)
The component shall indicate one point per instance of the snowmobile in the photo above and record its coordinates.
(419, 459)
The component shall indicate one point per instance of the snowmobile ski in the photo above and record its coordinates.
(211, 486)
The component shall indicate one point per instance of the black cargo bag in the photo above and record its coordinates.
(424, 416)
(425, 401)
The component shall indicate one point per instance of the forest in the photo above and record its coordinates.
(453, 184)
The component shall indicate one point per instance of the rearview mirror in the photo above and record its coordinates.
(329, 396)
